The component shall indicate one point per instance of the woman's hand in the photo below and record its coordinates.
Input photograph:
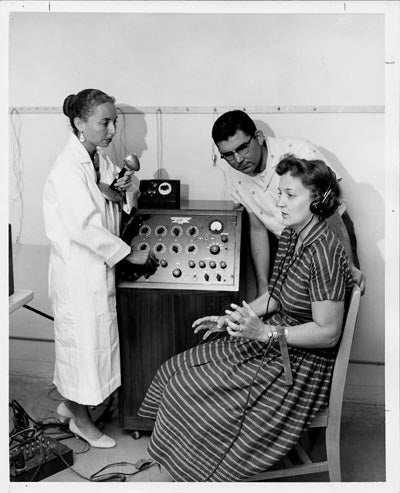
(141, 257)
(245, 323)
(211, 324)
(123, 183)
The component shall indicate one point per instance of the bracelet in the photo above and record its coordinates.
(274, 333)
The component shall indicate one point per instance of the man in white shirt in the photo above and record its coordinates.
(252, 159)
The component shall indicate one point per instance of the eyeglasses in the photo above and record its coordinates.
(241, 150)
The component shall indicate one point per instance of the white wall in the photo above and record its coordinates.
(202, 60)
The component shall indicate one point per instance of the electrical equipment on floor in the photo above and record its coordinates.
(201, 254)
(159, 194)
(197, 248)
(37, 458)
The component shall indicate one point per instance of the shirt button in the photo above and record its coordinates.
(261, 213)
(253, 192)
(239, 182)
(272, 155)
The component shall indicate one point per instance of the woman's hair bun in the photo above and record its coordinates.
(68, 106)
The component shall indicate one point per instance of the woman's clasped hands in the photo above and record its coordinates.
(241, 321)
(244, 322)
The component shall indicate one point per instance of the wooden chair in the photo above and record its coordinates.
(298, 461)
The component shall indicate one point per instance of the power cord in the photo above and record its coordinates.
(140, 466)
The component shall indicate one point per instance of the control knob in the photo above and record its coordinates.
(177, 272)
(214, 249)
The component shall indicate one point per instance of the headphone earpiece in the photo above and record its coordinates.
(318, 206)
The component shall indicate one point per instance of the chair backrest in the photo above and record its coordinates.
(343, 356)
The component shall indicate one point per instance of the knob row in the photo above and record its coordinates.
(202, 264)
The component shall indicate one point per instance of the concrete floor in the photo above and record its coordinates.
(362, 439)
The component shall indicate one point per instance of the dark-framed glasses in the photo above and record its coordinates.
(241, 150)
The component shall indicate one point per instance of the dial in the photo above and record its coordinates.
(144, 230)
(143, 247)
(214, 249)
(175, 248)
(177, 272)
(159, 248)
(192, 231)
(161, 230)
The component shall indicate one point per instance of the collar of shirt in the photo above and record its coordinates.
(77, 148)
(317, 231)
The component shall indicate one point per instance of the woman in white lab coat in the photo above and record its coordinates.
(83, 231)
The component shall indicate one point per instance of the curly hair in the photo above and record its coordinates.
(317, 177)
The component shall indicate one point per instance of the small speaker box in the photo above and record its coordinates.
(159, 194)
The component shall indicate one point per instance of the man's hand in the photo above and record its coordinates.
(358, 278)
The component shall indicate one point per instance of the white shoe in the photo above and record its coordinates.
(103, 442)
(63, 413)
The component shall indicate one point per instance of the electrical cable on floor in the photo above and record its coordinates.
(140, 466)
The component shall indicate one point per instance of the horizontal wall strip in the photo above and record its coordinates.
(197, 110)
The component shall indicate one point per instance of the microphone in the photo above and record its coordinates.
(131, 163)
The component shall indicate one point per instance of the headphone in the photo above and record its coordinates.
(319, 206)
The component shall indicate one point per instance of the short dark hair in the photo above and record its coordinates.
(83, 104)
(229, 123)
(316, 176)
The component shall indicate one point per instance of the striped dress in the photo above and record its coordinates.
(222, 409)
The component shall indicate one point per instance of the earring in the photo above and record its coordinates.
(81, 137)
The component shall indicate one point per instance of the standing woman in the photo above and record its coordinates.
(83, 231)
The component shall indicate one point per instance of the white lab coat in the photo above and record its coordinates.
(82, 228)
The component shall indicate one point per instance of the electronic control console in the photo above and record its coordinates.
(198, 246)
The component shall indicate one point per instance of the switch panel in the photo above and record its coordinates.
(197, 247)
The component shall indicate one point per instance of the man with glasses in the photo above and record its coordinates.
(252, 159)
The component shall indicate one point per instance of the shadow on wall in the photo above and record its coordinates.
(131, 135)
(266, 129)
(376, 231)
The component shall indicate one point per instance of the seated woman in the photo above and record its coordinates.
(222, 409)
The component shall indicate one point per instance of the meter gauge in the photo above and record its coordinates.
(216, 226)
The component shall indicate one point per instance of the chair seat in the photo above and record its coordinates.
(321, 419)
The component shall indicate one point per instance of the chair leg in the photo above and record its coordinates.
(333, 455)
